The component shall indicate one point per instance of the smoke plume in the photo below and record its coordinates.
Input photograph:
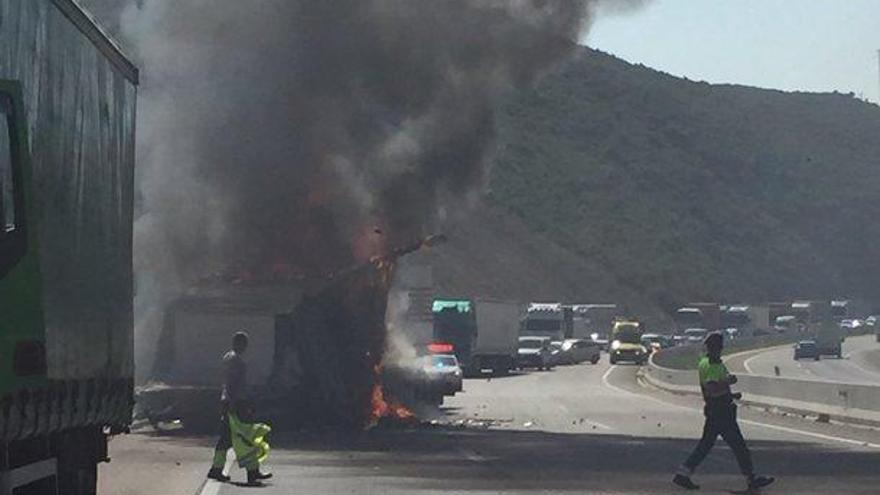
(297, 136)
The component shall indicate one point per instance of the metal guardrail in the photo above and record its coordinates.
(833, 400)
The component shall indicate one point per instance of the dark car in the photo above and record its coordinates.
(534, 352)
(806, 349)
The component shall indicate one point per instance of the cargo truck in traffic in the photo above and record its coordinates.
(67, 135)
(484, 333)
(544, 320)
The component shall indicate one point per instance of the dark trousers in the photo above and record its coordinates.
(224, 443)
(722, 421)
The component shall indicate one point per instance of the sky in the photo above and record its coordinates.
(806, 45)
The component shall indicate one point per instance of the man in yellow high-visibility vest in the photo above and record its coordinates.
(234, 433)
(720, 412)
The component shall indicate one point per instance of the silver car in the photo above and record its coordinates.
(444, 370)
(575, 351)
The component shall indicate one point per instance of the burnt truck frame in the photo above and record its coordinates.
(68, 96)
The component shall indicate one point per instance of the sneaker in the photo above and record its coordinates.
(263, 476)
(759, 482)
(217, 475)
(685, 482)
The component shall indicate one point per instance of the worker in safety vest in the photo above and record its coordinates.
(720, 413)
(246, 439)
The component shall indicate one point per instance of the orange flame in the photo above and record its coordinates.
(382, 407)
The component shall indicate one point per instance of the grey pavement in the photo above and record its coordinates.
(583, 429)
(860, 363)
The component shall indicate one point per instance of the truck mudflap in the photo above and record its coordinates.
(64, 405)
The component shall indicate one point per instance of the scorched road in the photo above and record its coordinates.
(578, 429)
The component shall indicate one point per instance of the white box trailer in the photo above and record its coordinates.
(484, 333)
(497, 338)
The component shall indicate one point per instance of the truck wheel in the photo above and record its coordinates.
(817, 357)
(595, 359)
(612, 360)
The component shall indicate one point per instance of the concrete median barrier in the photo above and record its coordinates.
(839, 401)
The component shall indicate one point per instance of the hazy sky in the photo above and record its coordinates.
(811, 45)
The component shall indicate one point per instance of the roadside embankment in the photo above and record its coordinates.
(859, 404)
(686, 357)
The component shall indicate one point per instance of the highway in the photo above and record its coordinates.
(860, 363)
(584, 429)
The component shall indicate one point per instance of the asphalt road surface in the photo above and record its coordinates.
(860, 363)
(578, 429)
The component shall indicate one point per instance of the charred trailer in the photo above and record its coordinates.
(197, 330)
(313, 360)
(67, 136)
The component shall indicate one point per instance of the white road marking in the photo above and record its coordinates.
(212, 487)
(786, 429)
(812, 434)
(749, 360)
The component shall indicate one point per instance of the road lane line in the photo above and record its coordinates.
(786, 429)
(749, 360)
(811, 434)
(212, 487)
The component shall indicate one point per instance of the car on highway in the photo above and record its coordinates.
(785, 323)
(556, 353)
(654, 342)
(626, 344)
(851, 325)
(806, 349)
(695, 335)
(601, 340)
(576, 351)
(445, 371)
(534, 352)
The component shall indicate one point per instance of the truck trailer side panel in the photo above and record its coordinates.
(68, 97)
(497, 330)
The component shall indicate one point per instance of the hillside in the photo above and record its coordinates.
(681, 190)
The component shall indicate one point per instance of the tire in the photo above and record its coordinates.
(816, 358)
(595, 360)
(612, 360)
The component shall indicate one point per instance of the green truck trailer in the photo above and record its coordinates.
(67, 121)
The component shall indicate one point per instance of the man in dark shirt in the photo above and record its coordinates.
(233, 399)
(720, 412)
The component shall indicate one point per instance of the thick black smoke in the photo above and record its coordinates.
(282, 131)
(288, 133)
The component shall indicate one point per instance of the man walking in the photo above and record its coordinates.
(720, 412)
(233, 402)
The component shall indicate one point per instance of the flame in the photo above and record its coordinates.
(382, 407)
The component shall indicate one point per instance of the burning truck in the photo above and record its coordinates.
(316, 355)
